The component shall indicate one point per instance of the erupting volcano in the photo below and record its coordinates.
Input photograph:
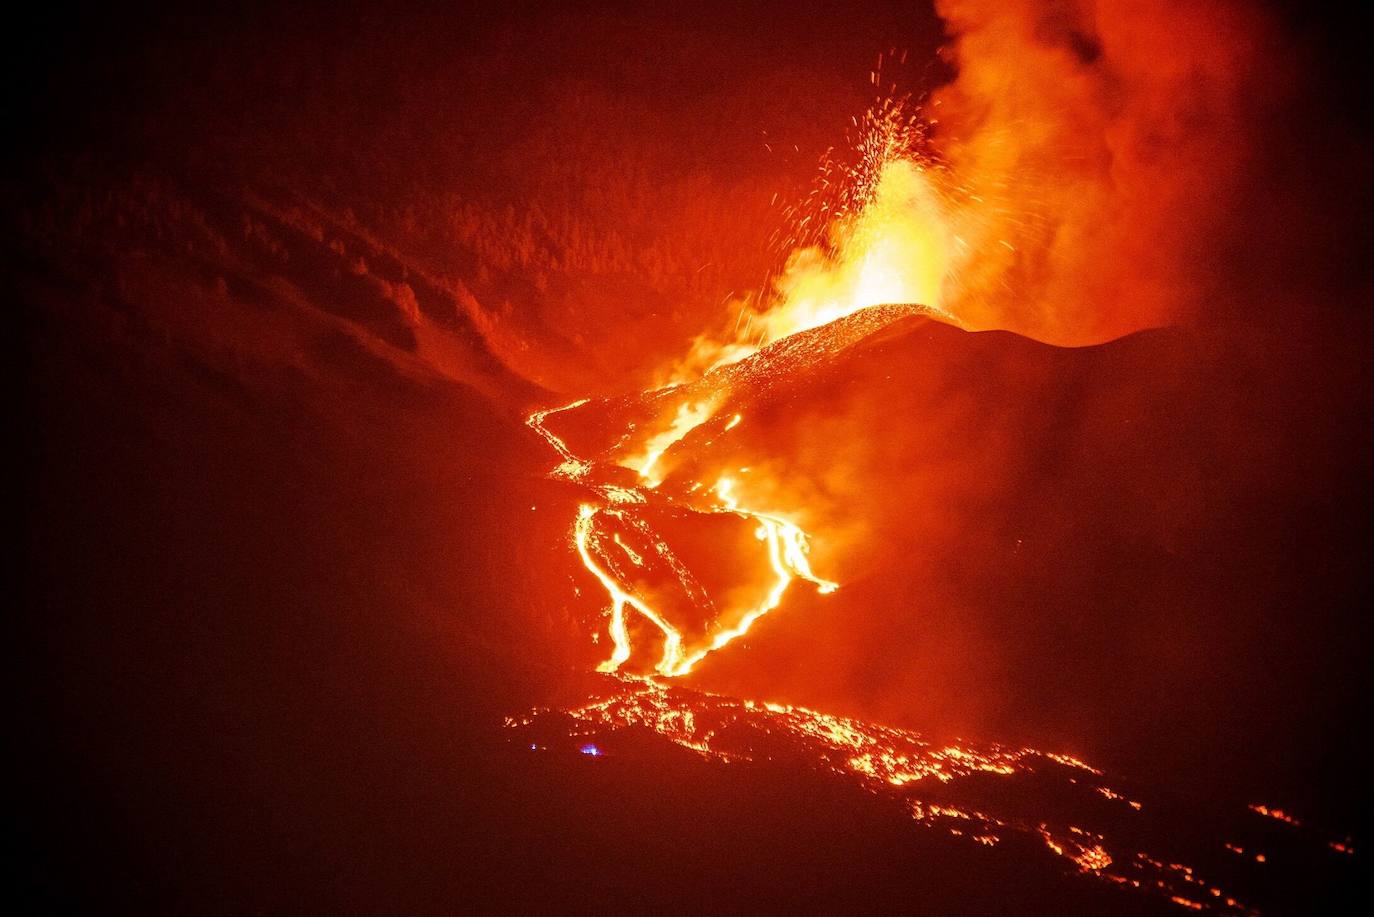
(881, 244)
(884, 238)
(727, 460)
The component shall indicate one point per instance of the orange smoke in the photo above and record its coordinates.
(1076, 182)
(1098, 149)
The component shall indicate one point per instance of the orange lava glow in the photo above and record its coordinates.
(889, 244)
(887, 761)
(689, 416)
(787, 547)
(897, 248)
(1276, 814)
(886, 242)
(879, 231)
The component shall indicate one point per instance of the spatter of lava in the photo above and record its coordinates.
(982, 794)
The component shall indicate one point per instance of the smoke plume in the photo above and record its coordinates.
(1098, 152)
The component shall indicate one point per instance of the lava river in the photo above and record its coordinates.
(977, 793)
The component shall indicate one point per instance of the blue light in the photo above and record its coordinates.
(590, 750)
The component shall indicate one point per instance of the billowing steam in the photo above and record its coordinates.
(1099, 148)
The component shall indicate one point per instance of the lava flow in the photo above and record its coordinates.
(942, 786)
(987, 795)
(787, 547)
(887, 245)
(885, 242)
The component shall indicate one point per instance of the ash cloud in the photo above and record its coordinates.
(1105, 155)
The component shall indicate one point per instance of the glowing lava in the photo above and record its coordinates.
(887, 242)
(620, 597)
(880, 230)
(690, 415)
(883, 239)
(895, 249)
(970, 792)
(787, 549)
